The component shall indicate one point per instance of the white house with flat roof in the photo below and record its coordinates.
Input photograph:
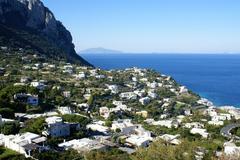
(113, 88)
(128, 95)
(172, 139)
(56, 127)
(125, 126)
(231, 149)
(24, 143)
(98, 126)
(82, 145)
(202, 132)
(138, 141)
(65, 110)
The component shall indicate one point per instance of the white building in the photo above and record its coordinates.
(152, 85)
(67, 94)
(24, 143)
(117, 103)
(100, 76)
(216, 123)
(98, 126)
(65, 110)
(113, 88)
(121, 107)
(202, 132)
(138, 141)
(152, 95)
(183, 90)
(128, 95)
(83, 106)
(231, 149)
(221, 117)
(194, 125)
(172, 139)
(166, 123)
(125, 126)
(140, 93)
(56, 127)
(82, 145)
(205, 101)
(38, 85)
(80, 75)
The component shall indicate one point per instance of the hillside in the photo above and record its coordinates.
(30, 25)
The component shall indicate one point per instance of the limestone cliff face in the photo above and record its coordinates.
(32, 14)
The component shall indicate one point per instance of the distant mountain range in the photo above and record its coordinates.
(99, 50)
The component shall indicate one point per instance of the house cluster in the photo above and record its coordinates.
(120, 107)
(136, 94)
(26, 98)
(23, 143)
(217, 118)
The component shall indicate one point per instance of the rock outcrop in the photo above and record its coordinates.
(33, 15)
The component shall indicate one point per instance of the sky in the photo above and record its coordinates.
(146, 26)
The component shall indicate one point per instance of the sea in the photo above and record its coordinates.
(213, 76)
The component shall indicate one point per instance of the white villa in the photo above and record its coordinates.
(230, 148)
(202, 132)
(56, 127)
(113, 89)
(65, 110)
(98, 126)
(138, 141)
(23, 143)
(125, 126)
(82, 145)
(172, 139)
(128, 95)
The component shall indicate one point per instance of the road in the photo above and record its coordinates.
(225, 131)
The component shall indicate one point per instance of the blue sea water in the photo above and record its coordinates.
(213, 76)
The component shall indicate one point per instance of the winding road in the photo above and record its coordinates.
(225, 131)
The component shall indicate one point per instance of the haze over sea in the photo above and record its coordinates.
(213, 76)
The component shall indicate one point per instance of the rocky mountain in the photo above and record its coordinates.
(27, 21)
(99, 50)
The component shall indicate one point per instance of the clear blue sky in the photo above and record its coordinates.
(152, 25)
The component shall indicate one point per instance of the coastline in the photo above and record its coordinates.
(204, 74)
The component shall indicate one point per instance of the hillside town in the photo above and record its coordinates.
(46, 105)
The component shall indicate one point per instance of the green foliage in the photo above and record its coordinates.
(34, 125)
(7, 154)
(160, 150)
(188, 98)
(10, 128)
(111, 154)
(7, 112)
(108, 123)
(65, 155)
(76, 119)
(165, 93)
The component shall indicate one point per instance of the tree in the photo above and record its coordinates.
(34, 125)
(111, 154)
(7, 112)
(161, 150)
(10, 128)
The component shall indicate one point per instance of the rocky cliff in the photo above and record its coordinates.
(26, 15)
